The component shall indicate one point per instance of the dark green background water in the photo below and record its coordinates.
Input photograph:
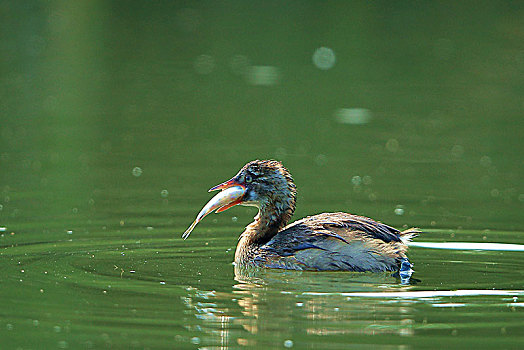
(117, 116)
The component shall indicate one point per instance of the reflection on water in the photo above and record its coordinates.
(259, 307)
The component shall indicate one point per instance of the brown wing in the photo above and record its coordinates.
(336, 241)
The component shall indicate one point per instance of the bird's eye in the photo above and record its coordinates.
(248, 178)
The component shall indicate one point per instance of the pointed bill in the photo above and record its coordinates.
(221, 201)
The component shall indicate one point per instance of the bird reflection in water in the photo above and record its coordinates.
(310, 301)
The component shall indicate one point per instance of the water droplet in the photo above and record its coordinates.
(355, 116)
(392, 145)
(324, 58)
(356, 180)
(137, 171)
(288, 343)
(485, 161)
(457, 151)
(164, 193)
(263, 75)
(195, 340)
(204, 64)
(399, 210)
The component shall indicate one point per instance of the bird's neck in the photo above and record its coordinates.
(271, 218)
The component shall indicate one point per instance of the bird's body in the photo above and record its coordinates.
(327, 241)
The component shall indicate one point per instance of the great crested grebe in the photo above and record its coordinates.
(327, 241)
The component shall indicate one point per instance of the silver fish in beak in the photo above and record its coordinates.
(225, 199)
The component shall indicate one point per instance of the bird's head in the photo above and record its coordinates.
(266, 182)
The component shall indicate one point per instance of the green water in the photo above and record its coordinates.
(116, 117)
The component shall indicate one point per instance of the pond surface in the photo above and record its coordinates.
(116, 117)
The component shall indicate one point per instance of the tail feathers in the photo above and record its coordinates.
(407, 235)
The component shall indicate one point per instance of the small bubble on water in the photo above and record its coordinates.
(521, 197)
(75, 210)
(57, 329)
(149, 228)
(9, 327)
(367, 180)
(485, 161)
(392, 145)
(162, 282)
(3, 229)
(132, 271)
(1, 207)
(36, 323)
(399, 210)
(234, 219)
(324, 58)
(353, 116)
(299, 304)
(62, 344)
(137, 171)
(70, 232)
(288, 343)
(195, 340)
(263, 75)
(356, 180)
(164, 193)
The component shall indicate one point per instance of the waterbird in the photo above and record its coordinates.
(323, 242)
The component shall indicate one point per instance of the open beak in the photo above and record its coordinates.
(231, 195)
(224, 185)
